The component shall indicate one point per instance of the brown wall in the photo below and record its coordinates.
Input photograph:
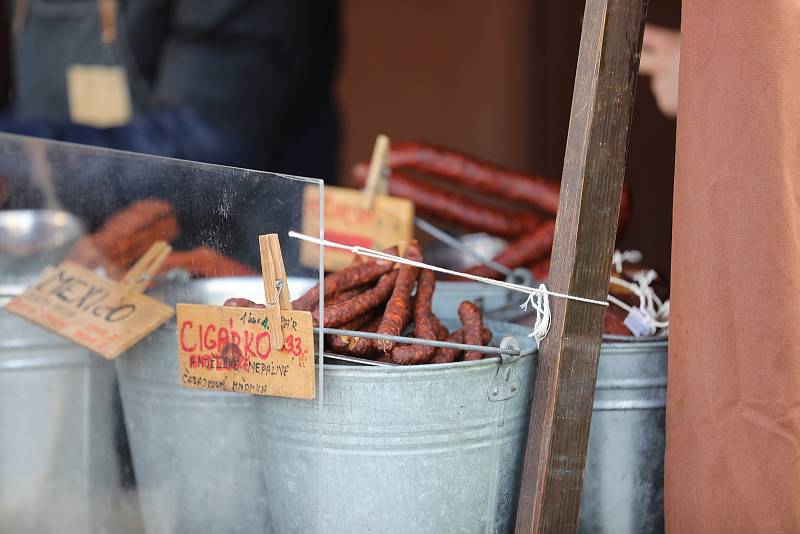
(453, 72)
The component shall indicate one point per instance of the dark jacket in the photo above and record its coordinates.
(237, 82)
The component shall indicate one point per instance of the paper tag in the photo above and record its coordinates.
(228, 349)
(98, 95)
(638, 325)
(100, 314)
(346, 221)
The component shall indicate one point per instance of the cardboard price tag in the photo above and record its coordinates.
(230, 349)
(347, 221)
(102, 315)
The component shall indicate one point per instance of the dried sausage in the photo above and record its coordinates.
(523, 251)
(541, 269)
(472, 320)
(347, 295)
(532, 190)
(425, 324)
(447, 355)
(125, 236)
(342, 312)
(360, 272)
(614, 322)
(455, 208)
(398, 309)
(362, 346)
(340, 343)
(238, 302)
(537, 191)
(423, 304)
(442, 333)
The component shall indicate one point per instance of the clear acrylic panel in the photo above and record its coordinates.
(89, 445)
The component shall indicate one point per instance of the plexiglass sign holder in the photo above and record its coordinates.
(124, 446)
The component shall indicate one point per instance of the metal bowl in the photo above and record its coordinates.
(28, 233)
(484, 245)
(30, 240)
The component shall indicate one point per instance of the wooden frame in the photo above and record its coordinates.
(591, 187)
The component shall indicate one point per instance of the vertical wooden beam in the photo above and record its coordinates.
(591, 186)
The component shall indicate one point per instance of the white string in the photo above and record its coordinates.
(628, 256)
(651, 300)
(384, 256)
(650, 305)
(541, 303)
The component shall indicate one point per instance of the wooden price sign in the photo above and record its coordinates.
(248, 350)
(368, 218)
(230, 349)
(105, 316)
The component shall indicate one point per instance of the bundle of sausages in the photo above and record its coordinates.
(614, 319)
(125, 237)
(379, 296)
(530, 230)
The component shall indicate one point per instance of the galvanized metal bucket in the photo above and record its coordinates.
(195, 470)
(425, 448)
(430, 448)
(623, 489)
(495, 302)
(58, 466)
(191, 449)
(193, 455)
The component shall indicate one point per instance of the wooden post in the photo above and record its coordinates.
(591, 186)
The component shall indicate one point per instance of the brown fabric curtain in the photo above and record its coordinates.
(733, 415)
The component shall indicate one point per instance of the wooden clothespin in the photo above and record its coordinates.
(377, 177)
(144, 270)
(276, 286)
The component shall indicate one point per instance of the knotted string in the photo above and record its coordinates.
(655, 312)
(540, 302)
(628, 256)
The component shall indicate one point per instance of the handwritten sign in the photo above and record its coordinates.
(100, 314)
(229, 349)
(390, 221)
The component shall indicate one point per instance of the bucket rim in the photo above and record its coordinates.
(634, 344)
(425, 368)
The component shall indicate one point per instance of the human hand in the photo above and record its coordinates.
(661, 52)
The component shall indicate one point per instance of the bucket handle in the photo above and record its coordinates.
(505, 384)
